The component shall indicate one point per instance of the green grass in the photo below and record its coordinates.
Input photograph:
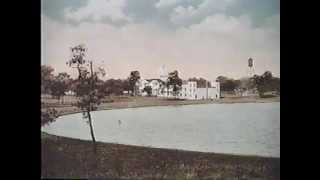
(70, 158)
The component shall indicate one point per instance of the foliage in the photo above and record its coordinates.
(60, 85)
(148, 89)
(201, 82)
(46, 78)
(49, 115)
(246, 83)
(115, 86)
(88, 86)
(221, 79)
(133, 78)
(126, 85)
(266, 82)
(227, 84)
(89, 91)
(175, 81)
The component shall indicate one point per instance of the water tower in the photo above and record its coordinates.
(250, 70)
(163, 72)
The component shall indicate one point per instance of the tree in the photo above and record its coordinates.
(221, 79)
(87, 86)
(48, 115)
(227, 84)
(276, 84)
(246, 83)
(148, 89)
(201, 82)
(115, 86)
(175, 81)
(126, 85)
(59, 85)
(46, 78)
(264, 83)
(133, 78)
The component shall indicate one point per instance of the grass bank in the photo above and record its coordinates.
(72, 158)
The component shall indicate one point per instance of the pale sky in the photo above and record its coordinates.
(199, 38)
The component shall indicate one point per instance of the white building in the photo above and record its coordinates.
(141, 84)
(155, 84)
(190, 91)
(166, 92)
(70, 93)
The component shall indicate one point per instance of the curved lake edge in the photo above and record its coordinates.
(150, 146)
(45, 135)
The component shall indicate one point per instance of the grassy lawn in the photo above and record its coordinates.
(72, 158)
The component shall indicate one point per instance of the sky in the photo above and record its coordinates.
(199, 38)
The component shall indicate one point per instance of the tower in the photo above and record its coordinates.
(163, 72)
(250, 71)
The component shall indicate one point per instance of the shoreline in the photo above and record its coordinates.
(157, 102)
(45, 135)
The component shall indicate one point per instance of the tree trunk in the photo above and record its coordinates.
(132, 91)
(92, 133)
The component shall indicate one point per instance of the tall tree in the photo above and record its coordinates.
(87, 86)
(246, 83)
(133, 78)
(227, 84)
(175, 81)
(115, 86)
(263, 83)
(46, 78)
(222, 79)
(59, 85)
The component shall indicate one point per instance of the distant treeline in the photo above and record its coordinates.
(58, 85)
(263, 83)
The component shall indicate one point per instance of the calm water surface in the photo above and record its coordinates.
(240, 128)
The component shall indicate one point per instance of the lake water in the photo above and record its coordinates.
(240, 128)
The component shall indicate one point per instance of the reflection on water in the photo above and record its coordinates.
(247, 128)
